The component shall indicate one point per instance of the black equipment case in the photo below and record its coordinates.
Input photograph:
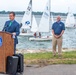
(12, 62)
(20, 66)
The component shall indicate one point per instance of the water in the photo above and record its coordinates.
(69, 37)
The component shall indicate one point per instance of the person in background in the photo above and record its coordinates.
(13, 27)
(37, 35)
(57, 29)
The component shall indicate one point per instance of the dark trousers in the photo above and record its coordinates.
(14, 48)
(14, 74)
(14, 53)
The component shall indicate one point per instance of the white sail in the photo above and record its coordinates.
(26, 20)
(70, 21)
(44, 25)
(34, 25)
(52, 19)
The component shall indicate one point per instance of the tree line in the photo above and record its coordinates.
(35, 13)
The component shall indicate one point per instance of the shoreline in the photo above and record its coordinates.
(24, 51)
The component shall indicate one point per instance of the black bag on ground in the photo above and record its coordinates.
(12, 62)
(20, 66)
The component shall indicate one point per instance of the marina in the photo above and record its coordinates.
(69, 38)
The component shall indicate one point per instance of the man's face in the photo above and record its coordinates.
(11, 16)
(58, 18)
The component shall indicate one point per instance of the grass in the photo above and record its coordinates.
(47, 58)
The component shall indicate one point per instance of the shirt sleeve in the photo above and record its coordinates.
(17, 30)
(63, 26)
(53, 26)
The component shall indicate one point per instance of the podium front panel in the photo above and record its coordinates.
(6, 49)
(2, 55)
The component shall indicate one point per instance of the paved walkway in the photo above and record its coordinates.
(51, 70)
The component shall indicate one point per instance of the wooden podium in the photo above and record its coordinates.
(6, 49)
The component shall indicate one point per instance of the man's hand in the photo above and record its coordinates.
(61, 34)
(57, 36)
(14, 34)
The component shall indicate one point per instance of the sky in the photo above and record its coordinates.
(38, 5)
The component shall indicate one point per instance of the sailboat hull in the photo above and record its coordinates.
(27, 34)
(71, 27)
(41, 39)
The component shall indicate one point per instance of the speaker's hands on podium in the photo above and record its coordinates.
(14, 34)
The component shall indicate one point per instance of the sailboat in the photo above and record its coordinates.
(26, 21)
(70, 21)
(44, 25)
(34, 27)
(52, 19)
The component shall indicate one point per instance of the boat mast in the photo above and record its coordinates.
(49, 13)
(68, 10)
(31, 11)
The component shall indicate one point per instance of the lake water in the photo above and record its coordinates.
(69, 37)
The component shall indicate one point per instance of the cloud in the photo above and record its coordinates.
(13, 4)
(38, 5)
(62, 5)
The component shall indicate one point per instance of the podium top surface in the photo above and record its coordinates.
(5, 32)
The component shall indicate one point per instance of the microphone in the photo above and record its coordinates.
(4, 29)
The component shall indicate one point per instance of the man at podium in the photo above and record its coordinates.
(12, 26)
